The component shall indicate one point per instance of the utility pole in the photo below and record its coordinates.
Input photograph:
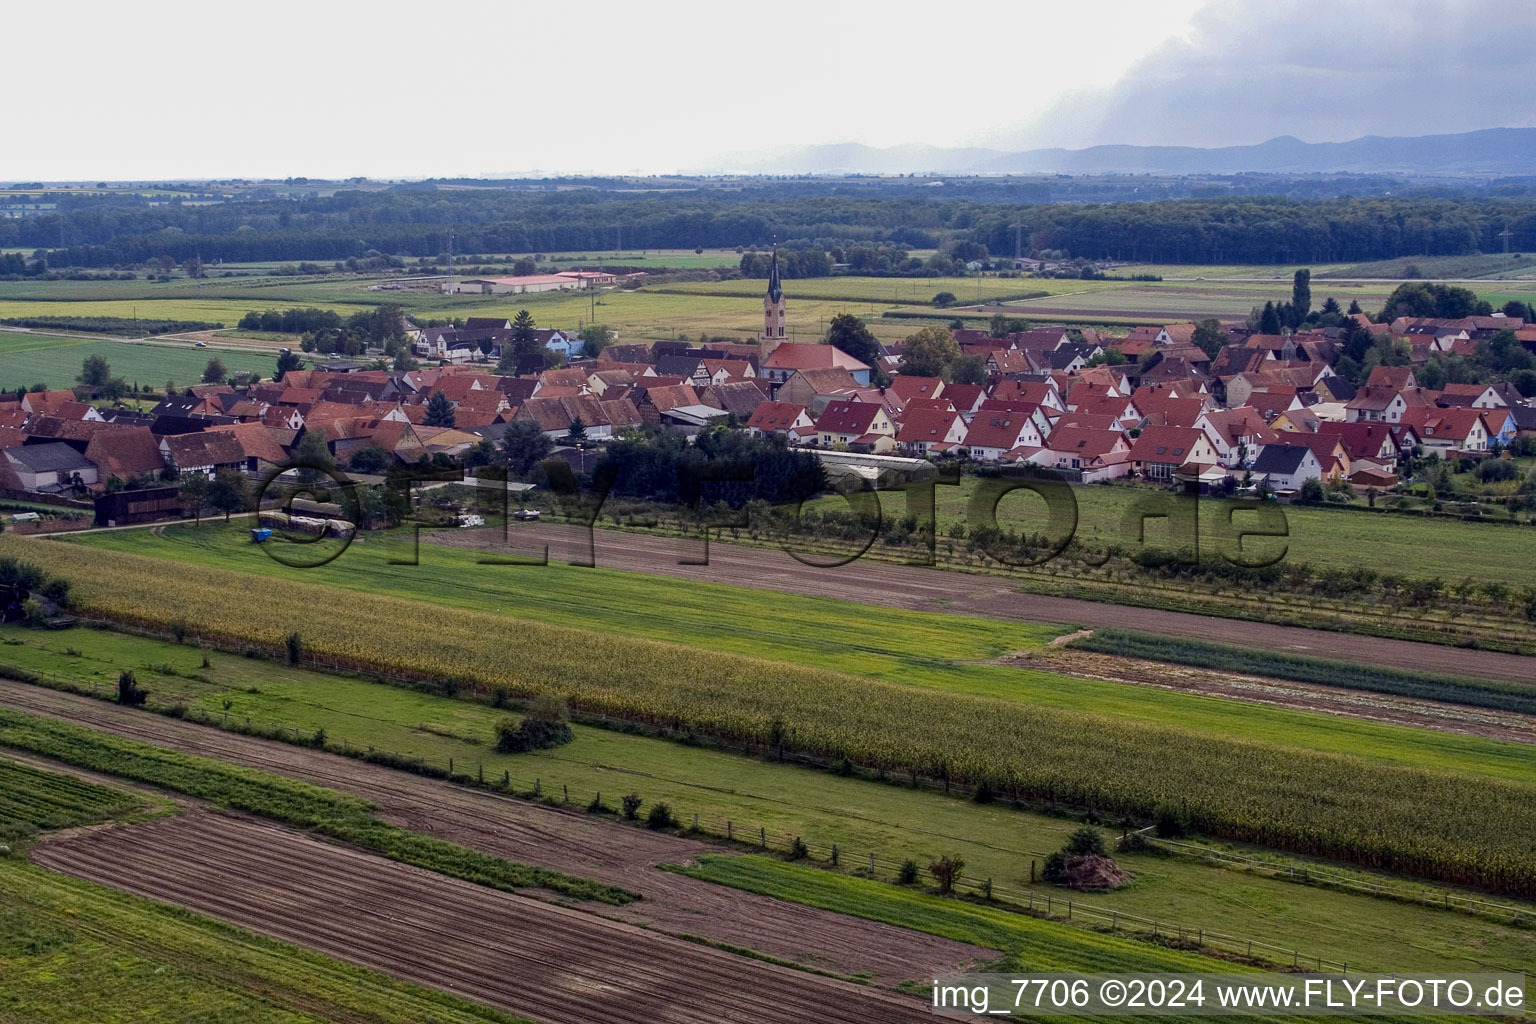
(1505, 234)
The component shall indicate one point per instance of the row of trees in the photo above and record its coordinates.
(416, 223)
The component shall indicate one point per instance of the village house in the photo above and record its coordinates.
(778, 418)
(861, 426)
(995, 432)
(1088, 454)
(1160, 451)
(787, 359)
(1285, 467)
(50, 468)
(927, 432)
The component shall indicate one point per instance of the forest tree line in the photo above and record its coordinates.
(418, 223)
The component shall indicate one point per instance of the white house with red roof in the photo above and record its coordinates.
(1095, 454)
(1159, 452)
(859, 425)
(928, 431)
(1442, 431)
(772, 418)
(995, 432)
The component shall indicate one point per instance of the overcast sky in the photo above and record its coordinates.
(392, 89)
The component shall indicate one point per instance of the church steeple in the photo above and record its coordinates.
(775, 290)
(773, 308)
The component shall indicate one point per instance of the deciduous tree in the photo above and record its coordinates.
(928, 352)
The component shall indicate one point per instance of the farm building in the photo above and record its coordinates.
(527, 284)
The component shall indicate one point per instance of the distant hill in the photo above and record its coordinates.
(1492, 151)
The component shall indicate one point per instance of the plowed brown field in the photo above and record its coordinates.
(565, 840)
(525, 956)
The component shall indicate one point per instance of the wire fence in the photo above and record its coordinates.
(1045, 903)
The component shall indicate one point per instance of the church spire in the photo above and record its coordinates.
(775, 290)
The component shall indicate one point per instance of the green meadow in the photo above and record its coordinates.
(1414, 546)
(28, 359)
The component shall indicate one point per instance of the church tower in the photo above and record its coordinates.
(773, 310)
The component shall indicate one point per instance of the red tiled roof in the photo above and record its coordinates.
(811, 357)
(848, 417)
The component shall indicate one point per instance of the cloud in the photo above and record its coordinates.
(1249, 70)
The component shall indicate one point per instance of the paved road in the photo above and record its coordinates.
(901, 586)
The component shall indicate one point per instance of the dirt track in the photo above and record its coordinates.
(564, 840)
(941, 590)
(521, 955)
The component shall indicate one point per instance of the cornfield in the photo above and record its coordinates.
(1434, 824)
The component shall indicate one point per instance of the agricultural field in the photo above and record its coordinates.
(895, 306)
(322, 811)
(1224, 271)
(33, 801)
(69, 949)
(1168, 301)
(1488, 266)
(1025, 941)
(933, 651)
(558, 964)
(891, 291)
(1405, 545)
(858, 815)
(34, 358)
(649, 259)
(974, 727)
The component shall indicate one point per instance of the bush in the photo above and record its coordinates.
(660, 816)
(1054, 870)
(798, 850)
(597, 806)
(545, 725)
(1135, 842)
(295, 647)
(631, 803)
(946, 871)
(1496, 470)
(907, 874)
(1083, 842)
(129, 693)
